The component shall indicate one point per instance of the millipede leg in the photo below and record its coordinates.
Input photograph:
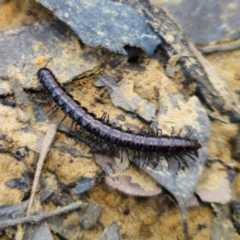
(139, 159)
(71, 128)
(52, 110)
(112, 152)
(81, 130)
(169, 164)
(113, 125)
(121, 154)
(147, 161)
(157, 161)
(76, 126)
(90, 136)
(195, 153)
(128, 155)
(159, 132)
(62, 120)
(184, 161)
(105, 117)
(179, 163)
(189, 134)
(134, 155)
(108, 118)
(144, 159)
(46, 103)
(190, 156)
(179, 132)
(151, 131)
(142, 131)
(155, 128)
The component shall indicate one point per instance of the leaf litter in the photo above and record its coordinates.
(94, 24)
(127, 99)
(199, 132)
(181, 182)
(215, 184)
(43, 43)
(212, 89)
(130, 181)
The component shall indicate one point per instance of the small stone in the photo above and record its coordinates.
(84, 184)
(121, 117)
(111, 232)
(132, 115)
(91, 216)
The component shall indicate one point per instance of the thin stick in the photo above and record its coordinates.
(38, 218)
(220, 48)
(44, 150)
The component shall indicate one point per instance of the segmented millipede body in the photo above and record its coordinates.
(162, 145)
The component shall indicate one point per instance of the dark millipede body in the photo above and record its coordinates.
(161, 145)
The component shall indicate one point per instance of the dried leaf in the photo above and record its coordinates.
(129, 181)
(33, 46)
(214, 185)
(126, 98)
(105, 23)
(193, 202)
(220, 195)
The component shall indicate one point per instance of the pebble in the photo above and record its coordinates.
(91, 216)
(121, 117)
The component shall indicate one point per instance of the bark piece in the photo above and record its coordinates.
(91, 216)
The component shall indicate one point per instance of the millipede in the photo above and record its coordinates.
(146, 142)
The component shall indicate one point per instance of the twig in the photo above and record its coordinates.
(44, 150)
(220, 48)
(226, 165)
(38, 218)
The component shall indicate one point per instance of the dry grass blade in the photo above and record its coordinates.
(44, 150)
(220, 48)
